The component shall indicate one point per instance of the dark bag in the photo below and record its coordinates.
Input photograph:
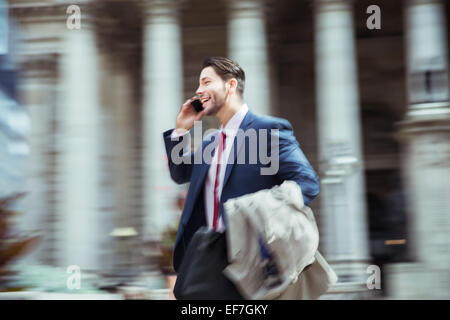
(200, 275)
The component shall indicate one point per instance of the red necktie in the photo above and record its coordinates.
(216, 183)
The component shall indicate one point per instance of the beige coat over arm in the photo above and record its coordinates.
(289, 231)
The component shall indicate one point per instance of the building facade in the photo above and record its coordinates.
(369, 107)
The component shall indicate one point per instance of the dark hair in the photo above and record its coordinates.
(227, 69)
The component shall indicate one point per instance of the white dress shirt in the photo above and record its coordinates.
(230, 130)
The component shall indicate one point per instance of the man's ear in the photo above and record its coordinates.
(232, 84)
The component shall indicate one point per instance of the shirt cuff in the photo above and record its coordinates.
(176, 133)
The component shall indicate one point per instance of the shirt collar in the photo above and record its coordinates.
(235, 122)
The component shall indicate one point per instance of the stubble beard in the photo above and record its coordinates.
(215, 108)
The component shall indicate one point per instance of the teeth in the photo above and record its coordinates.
(203, 100)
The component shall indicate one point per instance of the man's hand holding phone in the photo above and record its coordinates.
(187, 116)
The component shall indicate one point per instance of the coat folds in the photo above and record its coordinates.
(289, 231)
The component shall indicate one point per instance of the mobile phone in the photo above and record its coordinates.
(197, 105)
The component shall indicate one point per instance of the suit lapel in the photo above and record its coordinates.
(204, 167)
(198, 183)
(237, 146)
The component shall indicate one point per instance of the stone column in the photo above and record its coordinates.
(248, 46)
(37, 94)
(124, 176)
(4, 27)
(39, 89)
(80, 229)
(425, 136)
(163, 97)
(342, 199)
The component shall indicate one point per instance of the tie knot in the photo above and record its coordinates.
(223, 138)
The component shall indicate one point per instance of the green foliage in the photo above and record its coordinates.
(165, 260)
(12, 246)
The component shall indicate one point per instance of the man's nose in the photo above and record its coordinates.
(199, 91)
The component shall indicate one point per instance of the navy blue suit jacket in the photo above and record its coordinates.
(240, 178)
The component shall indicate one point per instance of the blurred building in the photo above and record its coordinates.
(14, 120)
(368, 106)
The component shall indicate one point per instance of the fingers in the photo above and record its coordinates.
(186, 107)
(186, 103)
(188, 110)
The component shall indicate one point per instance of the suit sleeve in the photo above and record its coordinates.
(293, 164)
(180, 160)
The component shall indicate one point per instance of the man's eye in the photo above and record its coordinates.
(207, 82)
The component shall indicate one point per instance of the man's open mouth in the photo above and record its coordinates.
(205, 99)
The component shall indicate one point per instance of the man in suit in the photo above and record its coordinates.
(232, 170)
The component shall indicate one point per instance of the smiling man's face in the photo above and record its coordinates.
(212, 91)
